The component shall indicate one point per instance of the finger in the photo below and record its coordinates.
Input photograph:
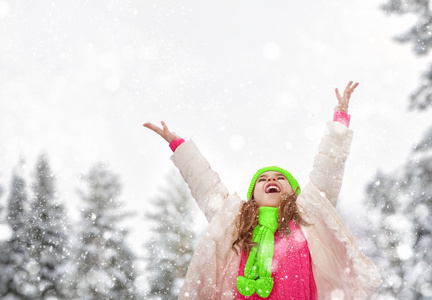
(148, 125)
(354, 86)
(348, 93)
(165, 127)
(338, 96)
(348, 86)
(153, 127)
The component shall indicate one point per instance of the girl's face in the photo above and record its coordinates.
(269, 187)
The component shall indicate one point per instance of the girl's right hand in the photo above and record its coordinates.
(163, 132)
(344, 100)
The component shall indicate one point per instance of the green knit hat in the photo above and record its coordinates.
(293, 182)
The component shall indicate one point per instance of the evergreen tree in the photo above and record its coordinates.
(49, 240)
(420, 36)
(418, 194)
(410, 190)
(385, 214)
(171, 245)
(14, 254)
(105, 264)
(401, 214)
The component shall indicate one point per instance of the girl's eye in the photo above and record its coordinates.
(261, 179)
(281, 178)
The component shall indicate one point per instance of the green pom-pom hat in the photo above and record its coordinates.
(293, 182)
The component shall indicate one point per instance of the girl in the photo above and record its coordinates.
(283, 242)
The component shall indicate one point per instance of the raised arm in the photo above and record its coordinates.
(205, 184)
(329, 163)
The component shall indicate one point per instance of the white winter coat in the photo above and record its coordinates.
(340, 269)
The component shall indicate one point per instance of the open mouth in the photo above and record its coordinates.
(272, 188)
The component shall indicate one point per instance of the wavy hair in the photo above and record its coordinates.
(247, 220)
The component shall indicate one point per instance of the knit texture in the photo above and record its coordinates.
(175, 143)
(257, 272)
(293, 182)
(291, 268)
(342, 117)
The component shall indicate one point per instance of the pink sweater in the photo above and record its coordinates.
(291, 268)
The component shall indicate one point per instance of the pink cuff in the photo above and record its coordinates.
(342, 117)
(175, 143)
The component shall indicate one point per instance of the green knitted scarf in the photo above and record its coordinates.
(257, 274)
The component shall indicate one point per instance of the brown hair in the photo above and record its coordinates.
(247, 220)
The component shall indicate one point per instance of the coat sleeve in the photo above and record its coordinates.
(204, 183)
(339, 266)
(329, 163)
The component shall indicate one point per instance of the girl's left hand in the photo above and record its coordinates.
(344, 100)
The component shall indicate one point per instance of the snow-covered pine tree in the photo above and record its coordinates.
(386, 234)
(401, 214)
(417, 177)
(48, 235)
(419, 35)
(14, 254)
(418, 194)
(170, 247)
(105, 264)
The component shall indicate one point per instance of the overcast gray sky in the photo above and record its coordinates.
(252, 82)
